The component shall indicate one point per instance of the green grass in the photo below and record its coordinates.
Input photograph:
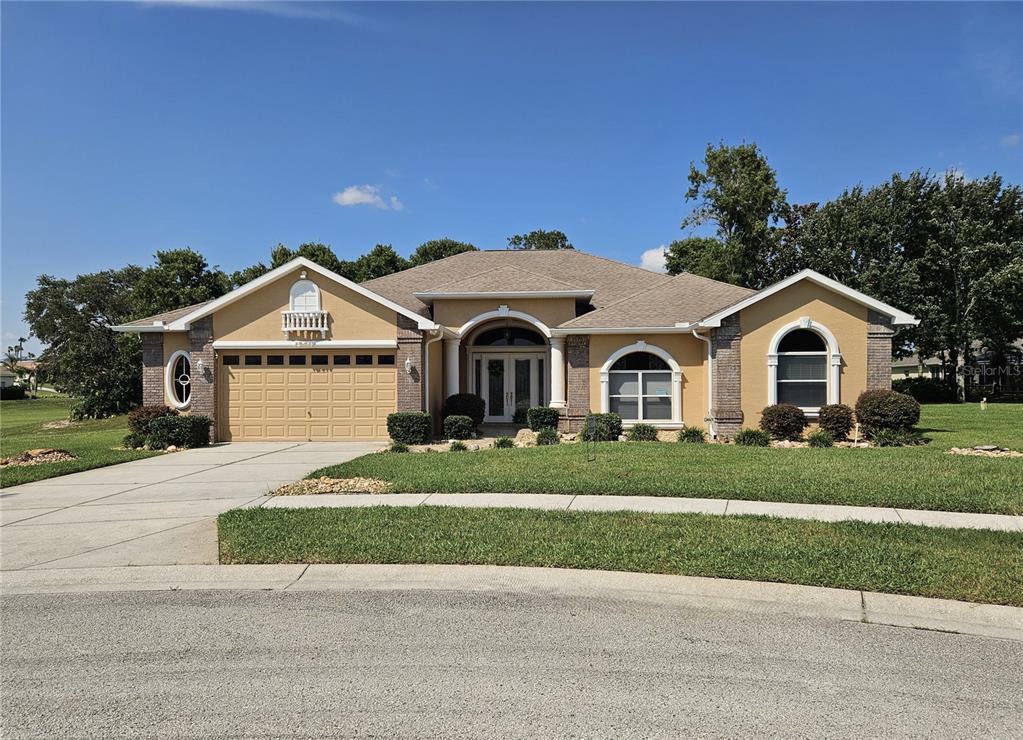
(94, 442)
(911, 477)
(969, 565)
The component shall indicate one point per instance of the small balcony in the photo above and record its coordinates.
(304, 321)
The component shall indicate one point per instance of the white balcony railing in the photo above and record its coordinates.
(304, 321)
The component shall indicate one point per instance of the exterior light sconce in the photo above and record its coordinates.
(408, 365)
(198, 365)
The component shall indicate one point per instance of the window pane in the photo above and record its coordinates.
(623, 384)
(182, 382)
(495, 387)
(802, 367)
(364, 359)
(342, 359)
(541, 384)
(803, 394)
(385, 359)
(479, 376)
(656, 408)
(802, 340)
(627, 408)
(657, 384)
(640, 361)
(319, 360)
(253, 359)
(231, 360)
(275, 359)
(512, 336)
(296, 359)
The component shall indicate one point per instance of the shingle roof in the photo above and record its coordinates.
(686, 298)
(504, 279)
(166, 316)
(609, 279)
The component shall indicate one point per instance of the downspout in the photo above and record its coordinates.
(426, 370)
(710, 383)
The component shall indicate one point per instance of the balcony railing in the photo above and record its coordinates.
(304, 321)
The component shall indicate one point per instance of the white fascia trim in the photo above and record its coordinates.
(503, 312)
(184, 322)
(505, 294)
(308, 344)
(899, 318)
(677, 329)
(146, 329)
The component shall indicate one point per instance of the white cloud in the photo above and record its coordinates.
(653, 259)
(283, 8)
(1010, 140)
(367, 195)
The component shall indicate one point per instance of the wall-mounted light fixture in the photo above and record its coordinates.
(408, 365)
(198, 365)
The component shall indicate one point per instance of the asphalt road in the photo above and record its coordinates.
(456, 664)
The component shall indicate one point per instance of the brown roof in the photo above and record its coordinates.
(504, 279)
(166, 316)
(686, 298)
(608, 279)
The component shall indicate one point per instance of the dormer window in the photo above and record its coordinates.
(304, 312)
(305, 296)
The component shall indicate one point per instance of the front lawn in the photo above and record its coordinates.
(910, 477)
(970, 565)
(93, 442)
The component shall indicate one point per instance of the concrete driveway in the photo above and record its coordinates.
(158, 511)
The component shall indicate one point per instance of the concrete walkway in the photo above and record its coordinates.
(654, 504)
(157, 511)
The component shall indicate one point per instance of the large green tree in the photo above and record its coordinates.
(540, 239)
(179, 278)
(436, 249)
(700, 255)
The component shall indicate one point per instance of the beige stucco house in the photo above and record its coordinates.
(302, 353)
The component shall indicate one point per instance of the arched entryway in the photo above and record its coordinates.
(508, 367)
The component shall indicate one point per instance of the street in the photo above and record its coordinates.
(457, 663)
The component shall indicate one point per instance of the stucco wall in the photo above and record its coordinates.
(551, 311)
(844, 318)
(257, 316)
(172, 342)
(689, 352)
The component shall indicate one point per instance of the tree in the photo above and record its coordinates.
(248, 274)
(180, 277)
(539, 239)
(379, 261)
(738, 192)
(700, 255)
(321, 254)
(436, 249)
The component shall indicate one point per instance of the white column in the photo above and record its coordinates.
(450, 367)
(836, 378)
(772, 379)
(557, 373)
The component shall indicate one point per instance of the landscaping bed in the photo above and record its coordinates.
(969, 565)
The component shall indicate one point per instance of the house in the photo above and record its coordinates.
(7, 378)
(302, 353)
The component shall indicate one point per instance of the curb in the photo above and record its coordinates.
(986, 620)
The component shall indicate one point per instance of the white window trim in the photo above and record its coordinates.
(169, 381)
(676, 382)
(303, 282)
(834, 378)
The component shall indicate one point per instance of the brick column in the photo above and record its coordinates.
(203, 400)
(727, 410)
(152, 369)
(879, 351)
(410, 347)
(577, 355)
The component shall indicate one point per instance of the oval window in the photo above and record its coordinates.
(179, 379)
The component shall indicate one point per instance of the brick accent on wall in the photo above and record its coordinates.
(879, 351)
(152, 369)
(727, 401)
(204, 386)
(577, 357)
(410, 346)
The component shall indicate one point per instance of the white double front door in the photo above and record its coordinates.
(508, 382)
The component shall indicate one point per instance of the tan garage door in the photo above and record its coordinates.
(306, 395)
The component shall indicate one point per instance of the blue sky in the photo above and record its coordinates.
(230, 127)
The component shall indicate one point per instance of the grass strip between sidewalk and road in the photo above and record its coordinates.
(967, 565)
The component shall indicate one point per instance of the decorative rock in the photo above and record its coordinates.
(39, 456)
(172, 448)
(333, 485)
(986, 448)
(976, 452)
(525, 438)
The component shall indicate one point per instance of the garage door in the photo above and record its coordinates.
(306, 395)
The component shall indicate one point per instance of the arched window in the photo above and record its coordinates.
(803, 369)
(179, 379)
(509, 336)
(305, 296)
(640, 387)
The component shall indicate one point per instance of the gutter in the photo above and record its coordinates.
(710, 382)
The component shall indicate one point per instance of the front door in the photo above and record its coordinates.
(507, 383)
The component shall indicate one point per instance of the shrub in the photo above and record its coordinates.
(458, 427)
(542, 417)
(896, 438)
(504, 443)
(135, 441)
(519, 417)
(12, 393)
(179, 431)
(465, 404)
(642, 433)
(783, 421)
(927, 390)
(821, 438)
(140, 418)
(602, 427)
(836, 419)
(883, 409)
(457, 446)
(547, 436)
(398, 447)
(752, 438)
(695, 435)
(410, 427)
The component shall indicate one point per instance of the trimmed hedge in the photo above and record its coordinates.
(410, 427)
(642, 433)
(602, 427)
(12, 393)
(692, 435)
(836, 419)
(820, 439)
(883, 409)
(783, 421)
(179, 431)
(465, 404)
(927, 390)
(140, 418)
(458, 427)
(542, 417)
(752, 438)
(547, 436)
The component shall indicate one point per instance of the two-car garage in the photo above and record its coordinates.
(305, 395)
